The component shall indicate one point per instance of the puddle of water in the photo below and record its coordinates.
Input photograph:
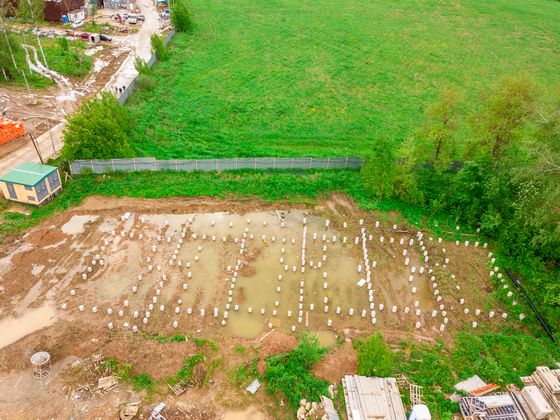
(31, 297)
(243, 325)
(77, 224)
(251, 413)
(33, 320)
(120, 272)
(326, 338)
(257, 283)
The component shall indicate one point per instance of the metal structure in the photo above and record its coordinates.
(492, 407)
(41, 363)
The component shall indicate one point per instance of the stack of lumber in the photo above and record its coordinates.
(545, 383)
(372, 398)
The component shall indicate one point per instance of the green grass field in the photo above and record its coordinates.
(70, 62)
(322, 78)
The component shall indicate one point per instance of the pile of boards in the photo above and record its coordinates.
(542, 393)
(538, 400)
(372, 398)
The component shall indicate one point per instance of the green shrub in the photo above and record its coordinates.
(141, 66)
(180, 17)
(146, 81)
(290, 373)
(100, 130)
(159, 47)
(374, 357)
(142, 381)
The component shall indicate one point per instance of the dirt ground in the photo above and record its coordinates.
(182, 242)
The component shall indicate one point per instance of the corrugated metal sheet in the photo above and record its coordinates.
(28, 173)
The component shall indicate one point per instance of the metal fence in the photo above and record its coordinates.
(130, 88)
(190, 165)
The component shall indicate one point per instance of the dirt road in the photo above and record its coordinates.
(113, 68)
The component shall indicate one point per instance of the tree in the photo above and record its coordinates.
(379, 169)
(100, 130)
(180, 17)
(93, 12)
(8, 49)
(435, 142)
(506, 111)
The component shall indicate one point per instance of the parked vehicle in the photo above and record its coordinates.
(103, 37)
(85, 36)
(141, 18)
(132, 19)
(77, 24)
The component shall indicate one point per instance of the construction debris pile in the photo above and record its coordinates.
(538, 400)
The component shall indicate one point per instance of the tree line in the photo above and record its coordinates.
(502, 177)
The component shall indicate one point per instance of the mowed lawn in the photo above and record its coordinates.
(325, 77)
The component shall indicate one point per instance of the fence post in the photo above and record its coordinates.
(254, 163)
(346, 163)
(112, 165)
(91, 163)
(310, 162)
(176, 168)
(328, 163)
(196, 164)
(274, 164)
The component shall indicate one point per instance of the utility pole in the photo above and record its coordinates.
(52, 138)
(36, 145)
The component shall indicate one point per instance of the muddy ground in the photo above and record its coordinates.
(134, 255)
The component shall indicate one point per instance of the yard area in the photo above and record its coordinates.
(64, 57)
(293, 78)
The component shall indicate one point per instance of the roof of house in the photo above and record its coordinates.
(27, 173)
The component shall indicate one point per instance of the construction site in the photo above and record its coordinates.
(102, 277)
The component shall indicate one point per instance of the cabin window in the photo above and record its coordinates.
(11, 190)
(54, 181)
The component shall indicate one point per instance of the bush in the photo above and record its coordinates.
(290, 373)
(159, 47)
(100, 130)
(146, 81)
(374, 357)
(180, 17)
(142, 67)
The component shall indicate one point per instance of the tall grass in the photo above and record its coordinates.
(323, 78)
